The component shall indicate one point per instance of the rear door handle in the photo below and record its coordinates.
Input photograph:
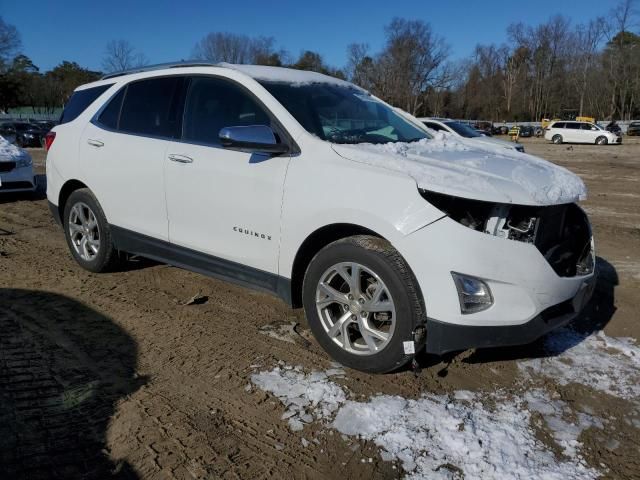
(95, 143)
(180, 158)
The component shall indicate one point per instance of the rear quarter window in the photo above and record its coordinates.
(79, 102)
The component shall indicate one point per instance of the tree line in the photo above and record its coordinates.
(553, 69)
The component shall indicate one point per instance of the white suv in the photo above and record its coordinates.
(310, 188)
(580, 132)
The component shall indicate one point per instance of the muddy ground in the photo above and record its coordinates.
(113, 375)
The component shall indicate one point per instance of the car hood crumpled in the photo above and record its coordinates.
(493, 174)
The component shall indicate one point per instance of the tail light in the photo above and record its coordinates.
(48, 140)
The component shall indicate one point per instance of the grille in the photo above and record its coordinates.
(15, 185)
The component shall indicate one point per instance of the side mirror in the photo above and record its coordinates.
(252, 138)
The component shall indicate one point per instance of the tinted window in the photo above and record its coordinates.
(462, 129)
(153, 107)
(573, 126)
(558, 125)
(79, 102)
(213, 104)
(433, 126)
(111, 114)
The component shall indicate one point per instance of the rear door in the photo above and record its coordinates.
(123, 149)
(222, 202)
(572, 133)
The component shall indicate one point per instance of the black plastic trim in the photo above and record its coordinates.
(55, 212)
(166, 252)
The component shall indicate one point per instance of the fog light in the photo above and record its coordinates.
(473, 293)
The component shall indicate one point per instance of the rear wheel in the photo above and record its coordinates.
(87, 232)
(557, 139)
(363, 303)
(601, 141)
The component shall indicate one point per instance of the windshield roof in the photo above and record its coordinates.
(342, 114)
(463, 129)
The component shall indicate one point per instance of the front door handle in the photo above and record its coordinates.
(180, 158)
(95, 143)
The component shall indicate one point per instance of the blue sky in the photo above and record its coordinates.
(53, 31)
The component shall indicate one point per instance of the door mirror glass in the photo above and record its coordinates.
(251, 138)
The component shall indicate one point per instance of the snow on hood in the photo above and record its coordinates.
(9, 152)
(480, 172)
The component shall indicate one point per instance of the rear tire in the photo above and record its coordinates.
(601, 141)
(362, 319)
(557, 139)
(88, 233)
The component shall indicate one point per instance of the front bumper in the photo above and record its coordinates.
(17, 180)
(445, 337)
(527, 292)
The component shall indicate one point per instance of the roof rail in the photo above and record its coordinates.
(160, 66)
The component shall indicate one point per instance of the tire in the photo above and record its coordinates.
(601, 141)
(386, 284)
(97, 254)
(557, 139)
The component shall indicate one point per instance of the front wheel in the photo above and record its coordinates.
(557, 139)
(601, 141)
(363, 304)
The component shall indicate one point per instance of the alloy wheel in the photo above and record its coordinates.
(84, 231)
(355, 308)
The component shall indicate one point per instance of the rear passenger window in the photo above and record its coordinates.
(153, 107)
(111, 114)
(573, 126)
(213, 104)
(79, 102)
(558, 125)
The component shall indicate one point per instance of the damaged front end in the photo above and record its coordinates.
(561, 233)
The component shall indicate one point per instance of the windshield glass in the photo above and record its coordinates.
(343, 114)
(462, 129)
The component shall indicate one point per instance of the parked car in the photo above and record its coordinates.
(8, 132)
(580, 132)
(526, 131)
(16, 169)
(613, 127)
(634, 129)
(309, 187)
(460, 129)
(500, 130)
(26, 134)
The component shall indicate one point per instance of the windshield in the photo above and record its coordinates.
(463, 129)
(340, 114)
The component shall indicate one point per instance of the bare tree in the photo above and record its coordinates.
(9, 42)
(121, 55)
(233, 48)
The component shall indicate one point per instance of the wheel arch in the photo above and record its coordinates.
(315, 242)
(67, 189)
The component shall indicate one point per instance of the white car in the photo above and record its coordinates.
(310, 188)
(16, 169)
(462, 130)
(580, 132)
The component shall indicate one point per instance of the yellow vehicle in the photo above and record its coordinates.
(545, 122)
(586, 119)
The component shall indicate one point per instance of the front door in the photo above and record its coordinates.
(222, 202)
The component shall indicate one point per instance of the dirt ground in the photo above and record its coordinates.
(113, 374)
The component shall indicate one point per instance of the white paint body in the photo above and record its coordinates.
(197, 205)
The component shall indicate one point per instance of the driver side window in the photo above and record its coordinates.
(215, 103)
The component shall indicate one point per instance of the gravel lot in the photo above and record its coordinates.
(113, 374)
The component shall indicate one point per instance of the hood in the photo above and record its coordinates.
(492, 142)
(491, 173)
(11, 153)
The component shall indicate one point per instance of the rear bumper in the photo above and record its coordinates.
(443, 337)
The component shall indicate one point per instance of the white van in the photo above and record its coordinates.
(580, 132)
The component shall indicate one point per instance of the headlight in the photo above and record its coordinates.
(474, 294)
(24, 161)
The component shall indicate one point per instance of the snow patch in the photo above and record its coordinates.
(607, 364)
(9, 152)
(287, 75)
(436, 436)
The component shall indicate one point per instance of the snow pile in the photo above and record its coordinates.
(450, 165)
(9, 152)
(608, 364)
(436, 436)
(307, 397)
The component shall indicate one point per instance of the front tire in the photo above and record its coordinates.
(557, 139)
(87, 232)
(601, 141)
(362, 303)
